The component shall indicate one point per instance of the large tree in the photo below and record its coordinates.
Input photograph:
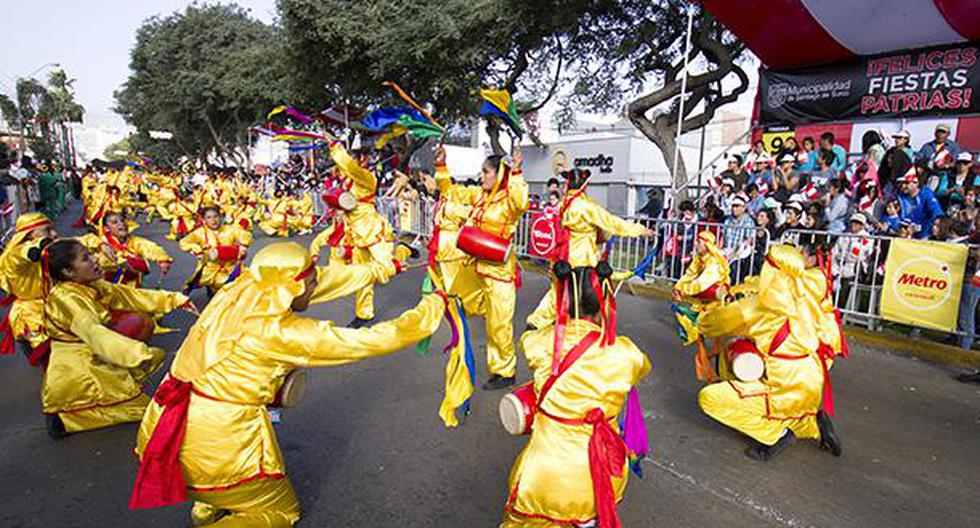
(443, 51)
(41, 112)
(634, 57)
(205, 75)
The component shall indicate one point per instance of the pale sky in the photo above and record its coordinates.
(91, 39)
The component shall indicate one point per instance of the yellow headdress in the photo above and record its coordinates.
(265, 290)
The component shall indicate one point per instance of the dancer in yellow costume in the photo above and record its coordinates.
(94, 375)
(582, 223)
(207, 435)
(451, 212)
(21, 278)
(220, 249)
(554, 481)
(490, 288)
(301, 218)
(276, 222)
(184, 216)
(792, 324)
(366, 232)
(124, 257)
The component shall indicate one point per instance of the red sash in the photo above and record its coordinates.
(160, 479)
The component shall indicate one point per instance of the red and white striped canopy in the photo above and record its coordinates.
(792, 33)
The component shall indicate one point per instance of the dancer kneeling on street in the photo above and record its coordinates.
(791, 324)
(94, 376)
(207, 435)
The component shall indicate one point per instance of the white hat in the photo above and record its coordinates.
(965, 156)
(860, 218)
(787, 158)
(729, 182)
(740, 199)
(904, 133)
(794, 205)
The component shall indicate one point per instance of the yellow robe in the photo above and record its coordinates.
(277, 223)
(790, 394)
(490, 288)
(200, 241)
(230, 456)
(584, 219)
(21, 277)
(94, 375)
(551, 478)
(367, 232)
(134, 247)
(703, 274)
(451, 214)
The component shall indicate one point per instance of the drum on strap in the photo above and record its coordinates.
(134, 325)
(483, 245)
(747, 362)
(517, 410)
(338, 198)
(292, 391)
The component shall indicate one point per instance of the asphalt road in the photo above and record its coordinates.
(367, 449)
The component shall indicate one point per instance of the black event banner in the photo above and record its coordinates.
(942, 80)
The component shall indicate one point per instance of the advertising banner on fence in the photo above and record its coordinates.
(942, 80)
(923, 282)
(544, 234)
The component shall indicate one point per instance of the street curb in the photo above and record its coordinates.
(931, 351)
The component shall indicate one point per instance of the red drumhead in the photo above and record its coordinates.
(138, 326)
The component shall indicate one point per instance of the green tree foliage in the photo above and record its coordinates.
(205, 75)
(41, 111)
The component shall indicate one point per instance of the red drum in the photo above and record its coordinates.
(340, 199)
(482, 245)
(517, 410)
(747, 362)
(292, 391)
(134, 325)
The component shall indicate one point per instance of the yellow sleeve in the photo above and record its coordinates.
(692, 285)
(610, 223)
(517, 191)
(545, 314)
(123, 297)
(351, 169)
(456, 192)
(243, 237)
(149, 250)
(307, 342)
(79, 315)
(340, 280)
(321, 240)
(192, 243)
(91, 241)
(731, 319)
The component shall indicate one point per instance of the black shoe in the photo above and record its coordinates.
(969, 378)
(829, 441)
(361, 323)
(764, 453)
(56, 428)
(497, 382)
(413, 251)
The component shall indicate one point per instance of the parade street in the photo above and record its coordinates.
(367, 449)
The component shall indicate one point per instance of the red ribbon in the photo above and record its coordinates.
(227, 253)
(160, 480)
(826, 353)
(607, 457)
(39, 354)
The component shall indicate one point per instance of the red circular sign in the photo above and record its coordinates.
(544, 235)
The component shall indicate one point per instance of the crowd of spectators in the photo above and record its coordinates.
(888, 191)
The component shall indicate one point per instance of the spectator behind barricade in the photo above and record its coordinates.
(907, 229)
(867, 199)
(893, 167)
(811, 155)
(939, 154)
(765, 221)
(824, 170)
(739, 233)
(554, 198)
(966, 210)
(888, 223)
(966, 320)
(852, 257)
(756, 200)
(840, 155)
(814, 217)
(786, 179)
(726, 196)
(554, 186)
(942, 230)
(735, 172)
(838, 206)
(903, 142)
(792, 148)
(757, 155)
(872, 149)
(955, 183)
(686, 231)
(919, 204)
(792, 221)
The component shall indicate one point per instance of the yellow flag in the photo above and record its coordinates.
(922, 284)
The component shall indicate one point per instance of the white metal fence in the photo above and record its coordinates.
(858, 261)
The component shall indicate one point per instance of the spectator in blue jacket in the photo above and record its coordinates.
(919, 204)
(840, 155)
